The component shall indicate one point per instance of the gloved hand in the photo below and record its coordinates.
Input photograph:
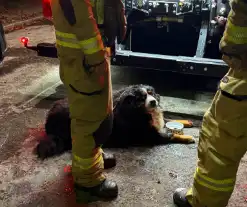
(115, 23)
(95, 60)
(221, 20)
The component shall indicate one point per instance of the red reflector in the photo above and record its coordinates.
(47, 13)
(24, 40)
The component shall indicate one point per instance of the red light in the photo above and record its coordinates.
(24, 41)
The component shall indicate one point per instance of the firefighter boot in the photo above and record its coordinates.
(109, 160)
(107, 190)
(179, 198)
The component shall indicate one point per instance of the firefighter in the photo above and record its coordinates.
(223, 136)
(85, 72)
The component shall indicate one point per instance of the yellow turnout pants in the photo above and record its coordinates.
(222, 144)
(90, 102)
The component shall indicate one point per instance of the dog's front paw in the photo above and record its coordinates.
(188, 139)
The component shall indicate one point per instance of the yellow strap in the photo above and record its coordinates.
(235, 34)
(225, 185)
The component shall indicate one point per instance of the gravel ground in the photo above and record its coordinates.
(21, 67)
(19, 10)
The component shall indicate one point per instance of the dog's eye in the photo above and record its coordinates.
(150, 92)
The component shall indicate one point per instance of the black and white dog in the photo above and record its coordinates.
(138, 121)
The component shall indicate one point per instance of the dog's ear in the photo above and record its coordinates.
(129, 100)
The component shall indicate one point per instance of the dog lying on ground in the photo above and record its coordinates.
(138, 121)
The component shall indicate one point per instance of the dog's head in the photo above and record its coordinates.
(140, 96)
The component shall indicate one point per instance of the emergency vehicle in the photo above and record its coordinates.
(168, 35)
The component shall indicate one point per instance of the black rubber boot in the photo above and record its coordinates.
(107, 190)
(109, 160)
(179, 198)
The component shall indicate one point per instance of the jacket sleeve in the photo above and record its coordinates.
(234, 41)
(87, 32)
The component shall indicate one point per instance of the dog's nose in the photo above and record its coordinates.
(153, 103)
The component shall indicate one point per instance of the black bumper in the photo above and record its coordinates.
(180, 64)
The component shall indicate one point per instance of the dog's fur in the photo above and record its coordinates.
(138, 121)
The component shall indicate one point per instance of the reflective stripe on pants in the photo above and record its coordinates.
(88, 163)
(212, 184)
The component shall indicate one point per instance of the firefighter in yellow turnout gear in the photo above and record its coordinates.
(85, 72)
(223, 137)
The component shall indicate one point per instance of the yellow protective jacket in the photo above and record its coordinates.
(77, 24)
(76, 30)
(233, 45)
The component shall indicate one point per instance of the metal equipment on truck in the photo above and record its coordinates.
(170, 35)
